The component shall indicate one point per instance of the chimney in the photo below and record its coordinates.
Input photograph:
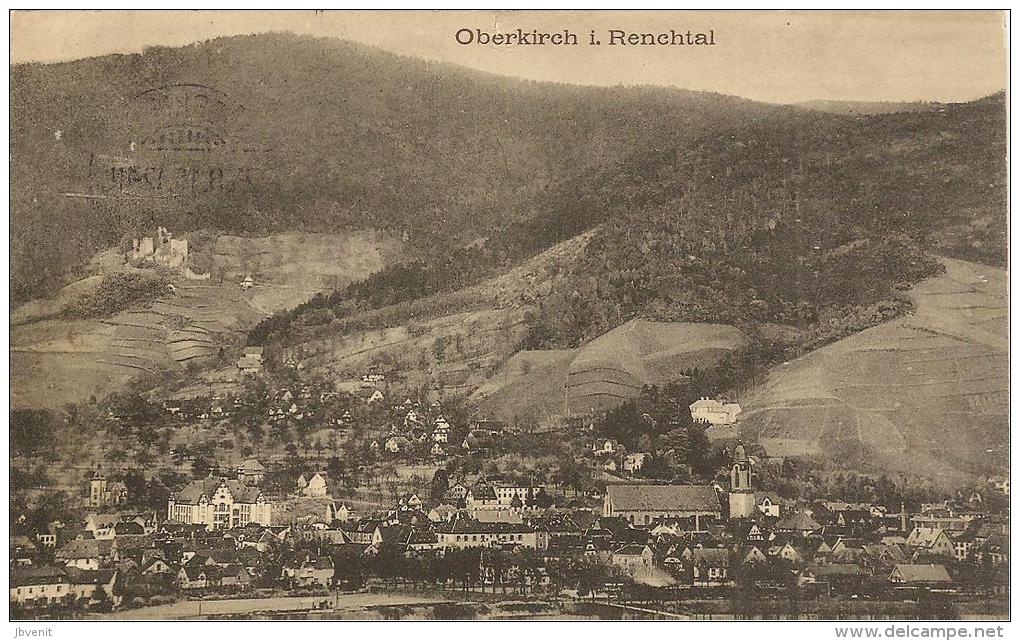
(903, 517)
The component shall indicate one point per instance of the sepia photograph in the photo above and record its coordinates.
(515, 315)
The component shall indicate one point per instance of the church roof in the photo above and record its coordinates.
(663, 498)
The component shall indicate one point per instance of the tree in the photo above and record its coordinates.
(440, 484)
(200, 467)
(335, 467)
(32, 431)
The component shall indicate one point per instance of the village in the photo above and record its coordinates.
(326, 493)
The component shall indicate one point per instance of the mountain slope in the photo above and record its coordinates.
(545, 385)
(276, 132)
(927, 393)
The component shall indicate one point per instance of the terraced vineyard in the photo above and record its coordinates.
(927, 393)
(58, 361)
(541, 385)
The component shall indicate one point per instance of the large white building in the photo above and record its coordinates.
(219, 504)
(496, 495)
(707, 410)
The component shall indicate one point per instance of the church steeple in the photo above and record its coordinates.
(740, 473)
(741, 492)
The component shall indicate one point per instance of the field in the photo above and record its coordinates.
(544, 384)
(928, 393)
(57, 360)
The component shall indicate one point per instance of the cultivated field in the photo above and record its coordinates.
(545, 384)
(57, 360)
(927, 393)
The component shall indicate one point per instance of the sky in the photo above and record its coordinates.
(773, 56)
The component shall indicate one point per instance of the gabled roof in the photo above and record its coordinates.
(663, 498)
(128, 527)
(193, 572)
(207, 487)
(927, 573)
(251, 466)
(103, 520)
(90, 577)
(719, 557)
(925, 536)
(798, 521)
(23, 575)
(85, 549)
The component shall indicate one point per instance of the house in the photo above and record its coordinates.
(788, 552)
(994, 548)
(397, 444)
(753, 554)
(84, 583)
(920, 575)
(33, 585)
(641, 504)
(481, 495)
(465, 532)
(101, 526)
(931, 540)
(193, 576)
(634, 462)
(607, 447)
(374, 397)
(768, 503)
(442, 512)
(714, 412)
(441, 431)
(236, 575)
(836, 575)
(318, 485)
(363, 532)
(341, 512)
(87, 554)
(409, 501)
(251, 360)
(317, 572)
(502, 494)
(455, 494)
(710, 566)
(797, 523)
(157, 566)
(633, 559)
(219, 504)
(251, 472)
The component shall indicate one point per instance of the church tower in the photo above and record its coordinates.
(97, 489)
(741, 492)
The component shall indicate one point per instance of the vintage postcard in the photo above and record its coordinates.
(509, 315)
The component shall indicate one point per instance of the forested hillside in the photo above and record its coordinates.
(707, 207)
(315, 135)
(810, 220)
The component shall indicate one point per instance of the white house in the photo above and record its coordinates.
(713, 412)
(634, 462)
(318, 485)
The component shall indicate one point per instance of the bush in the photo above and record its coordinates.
(119, 291)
